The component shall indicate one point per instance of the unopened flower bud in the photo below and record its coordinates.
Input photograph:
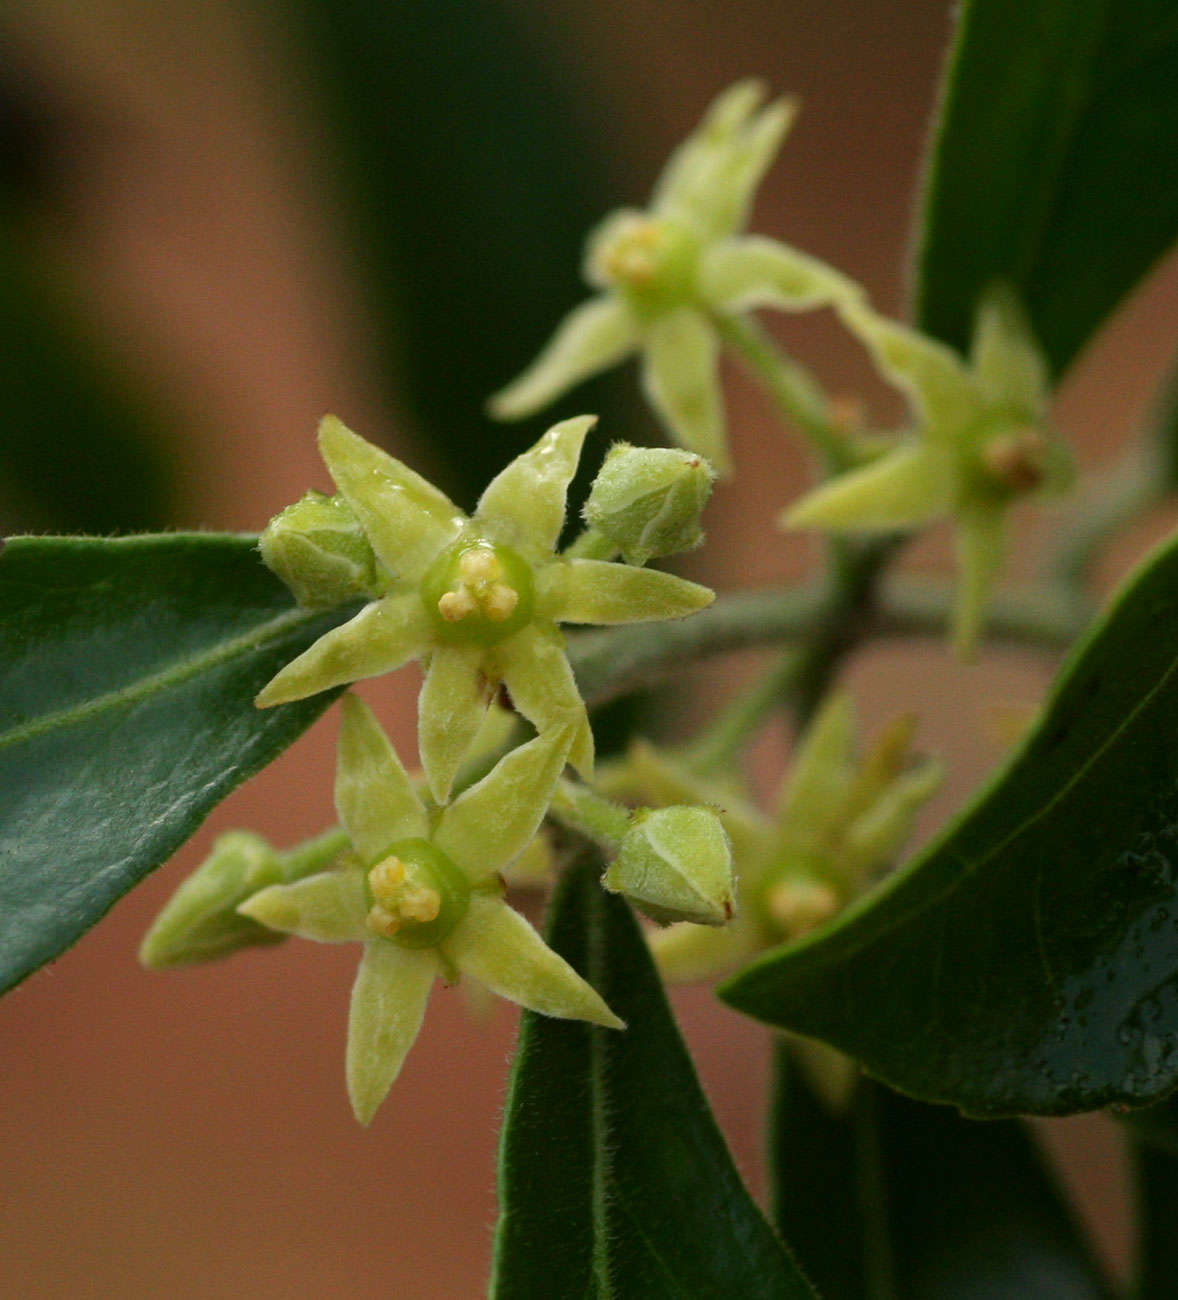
(317, 547)
(200, 922)
(675, 864)
(647, 500)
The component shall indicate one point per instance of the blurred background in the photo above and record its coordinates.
(220, 220)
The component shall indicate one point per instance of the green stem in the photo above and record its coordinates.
(578, 809)
(590, 545)
(315, 854)
(717, 746)
(829, 619)
(795, 391)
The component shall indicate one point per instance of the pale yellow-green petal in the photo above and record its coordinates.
(382, 637)
(685, 953)
(874, 838)
(495, 820)
(942, 390)
(689, 166)
(374, 797)
(591, 338)
(981, 548)
(499, 948)
(388, 1005)
(907, 488)
(453, 703)
(744, 273)
(600, 591)
(407, 520)
(329, 907)
(536, 671)
(1006, 358)
(820, 771)
(523, 506)
(681, 381)
(711, 179)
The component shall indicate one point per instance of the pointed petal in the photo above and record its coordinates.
(388, 1005)
(494, 821)
(382, 637)
(329, 907)
(450, 711)
(820, 772)
(934, 377)
(1006, 357)
(374, 797)
(599, 591)
(535, 669)
(499, 948)
(712, 177)
(679, 377)
(742, 274)
(678, 186)
(407, 520)
(591, 338)
(875, 837)
(685, 952)
(906, 488)
(523, 506)
(981, 547)
(740, 173)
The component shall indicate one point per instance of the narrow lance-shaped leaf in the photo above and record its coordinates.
(608, 1135)
(127, 675)
(1072, 107)
(1027, 961)
(927, 1205)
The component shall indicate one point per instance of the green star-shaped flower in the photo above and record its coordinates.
(425, 899)
(667, 273)
(838, 821)
(478, 598)
(982, 441)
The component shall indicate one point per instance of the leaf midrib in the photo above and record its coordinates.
(180, 671)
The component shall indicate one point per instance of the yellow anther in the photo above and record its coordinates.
(420, 904)
(480, 564)
(381, 921)
(800, 905)
(500, 602)
(386, 878)
(456, 605)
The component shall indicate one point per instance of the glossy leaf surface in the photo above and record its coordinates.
(614, 1179)
(127, 674)
(928, 1204)
(1070, 105)
(1027, 961)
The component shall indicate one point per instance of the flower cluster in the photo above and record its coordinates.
(415, 872)
(837, 823)
(669, 275)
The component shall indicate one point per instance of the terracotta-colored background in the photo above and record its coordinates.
(188, 1134)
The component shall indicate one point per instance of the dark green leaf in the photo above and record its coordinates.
(1054, 164)
(928, 1205)
(127, 675)
(1027, 961)
(614, 1180)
